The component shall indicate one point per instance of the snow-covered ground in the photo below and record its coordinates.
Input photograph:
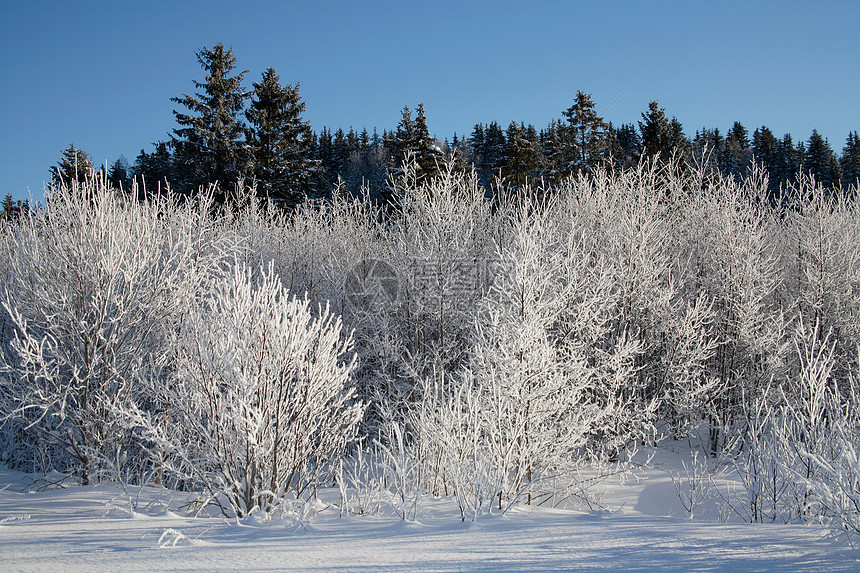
(643, 528)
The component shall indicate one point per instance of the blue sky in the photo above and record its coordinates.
(101, 74)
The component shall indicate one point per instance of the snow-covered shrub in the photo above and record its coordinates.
(442, 251)
(452, 423)
(693, 485)
(259, 404)
(96, 280)
(821, 258)
(821, 435)
(794, 456)
(532, 395)
(838, 490)
(732, 242)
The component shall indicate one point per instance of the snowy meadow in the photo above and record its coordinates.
(628, 370)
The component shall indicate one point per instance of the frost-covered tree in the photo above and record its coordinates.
(260, 395)
(95, 282)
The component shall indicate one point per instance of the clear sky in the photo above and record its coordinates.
(101, 74)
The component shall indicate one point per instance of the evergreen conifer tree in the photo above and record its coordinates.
(820, 161)
(551, 149)
(428, 154)
(279, 141)
(74, 165)
(735, 156)
(208, 145)
(850, 162)
(655, 132)
(625, 146)
(522, 155)
(402, 140)
(790, 158)
(153, 169)
(583, 137)
(118, 174)
(706, 148)
(679, 145)
(494, 152)
(12, 209)
(766, 152)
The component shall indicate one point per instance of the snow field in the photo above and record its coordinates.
(644, 528)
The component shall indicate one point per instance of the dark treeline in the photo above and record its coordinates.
(226, 132)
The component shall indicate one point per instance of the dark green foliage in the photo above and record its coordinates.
(13, 209)
(791, 158)
(765, 149)
(279, 141)
(119, 175)
(486, 151)
(706, 147)
(428, 153)
(850, 161)
(735, 157)
(679, 145)
(74, 165)
(522, 155)
(551, 148)
(821, 162)
(624, 146)
(655, 132)
(402, 140)
(412, 140)
(208, 145)
(583, 137)
(153, 170)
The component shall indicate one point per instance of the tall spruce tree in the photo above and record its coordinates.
(766, 152)
(279, 140)
(820, 161)
(153, 170)
(74, 165)
(551, 149)
(679, 145)
(583, 137)
(790, 158)
(119, 175)
(654, 128)
(736, 156)
(428, 153)
(522, 155)
(208, 145)
(413, 138)
(850, 162)
(494, 152)
(625, 145)
(706, 148)
(12, 209)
